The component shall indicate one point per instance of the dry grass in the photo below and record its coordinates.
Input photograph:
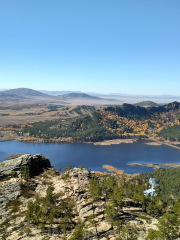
(25, 113)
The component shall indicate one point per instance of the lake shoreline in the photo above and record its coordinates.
(152, 142)
(95, 157)
(148, 141)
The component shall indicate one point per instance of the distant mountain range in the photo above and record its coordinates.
(26, 93)
(106, 95)
(80, 98)
(109, 95)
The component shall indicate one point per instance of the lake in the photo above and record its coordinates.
(94, 156)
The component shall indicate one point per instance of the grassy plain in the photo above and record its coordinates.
(25, 113)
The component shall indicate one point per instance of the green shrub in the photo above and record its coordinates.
(81, 167)
(26, 190)
(14, 204)
(68, 167)
(5, 224)
(25, 172)
(13, 174)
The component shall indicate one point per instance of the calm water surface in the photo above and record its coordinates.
(94, 156)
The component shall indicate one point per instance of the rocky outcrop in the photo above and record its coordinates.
(102, 228)
(11, 180)
(36, 164)
(81, 174)
(72, 185)
(9, 191)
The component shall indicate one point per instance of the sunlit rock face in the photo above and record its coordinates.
(36, 163)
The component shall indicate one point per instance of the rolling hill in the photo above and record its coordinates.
(30, 95)
(56, 93)
(76, 95)
(25, 92)
(5, 97)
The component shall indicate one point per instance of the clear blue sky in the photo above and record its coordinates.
(125, 46)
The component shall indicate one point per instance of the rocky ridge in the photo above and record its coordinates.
(15, 193)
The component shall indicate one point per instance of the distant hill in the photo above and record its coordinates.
(173, 105)
(30, 95)
(5, 97)
(76, 95)
(129, 110)
(25, 92)
(146, 104)
(56, 93)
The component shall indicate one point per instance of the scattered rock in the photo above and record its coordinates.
(73, 184)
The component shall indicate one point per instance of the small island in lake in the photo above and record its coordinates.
(155, 165)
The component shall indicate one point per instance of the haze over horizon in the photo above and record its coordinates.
(128, 47)
(116, 94)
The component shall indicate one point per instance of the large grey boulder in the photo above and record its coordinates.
(102, 227)
(80, 174)
(8, 166)
(10, 188)
(35, 162)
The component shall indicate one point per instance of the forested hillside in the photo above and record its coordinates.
(83, 129)
(168, 189)
(126, 121)
(172, 133)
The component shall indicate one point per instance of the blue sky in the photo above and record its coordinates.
(103, 46)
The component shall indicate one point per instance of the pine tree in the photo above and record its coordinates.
(68, 167)
(29, 212)
(64, 224)
(78, 233)
(60, 169)
(48, 202)
(169, 227)
(25, 172)
(176, 208)
(93, 222)
(118, 224)
(95, 195)
(112, 213)
(95, 189)
(36, 211)
(104, 187)
(28, 231)
(116, 198)
(153, 235)
(128, 232)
